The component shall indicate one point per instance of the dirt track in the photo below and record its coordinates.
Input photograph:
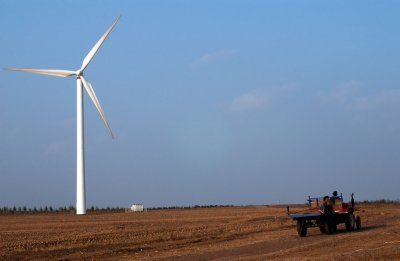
(232, 233)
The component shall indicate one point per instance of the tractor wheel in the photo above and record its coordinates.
(350, 222)
(358, 223)
(301, 228)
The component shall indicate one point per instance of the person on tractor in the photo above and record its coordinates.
(332, 199)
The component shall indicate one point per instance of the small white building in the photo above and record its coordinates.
(137, 208)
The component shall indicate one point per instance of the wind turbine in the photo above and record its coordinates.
(81, 83)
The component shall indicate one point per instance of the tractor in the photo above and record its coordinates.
(340, 212)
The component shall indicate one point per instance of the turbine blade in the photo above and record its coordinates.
(60, 73)
(96, 47)
(92, 94)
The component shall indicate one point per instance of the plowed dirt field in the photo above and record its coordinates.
(225, 233)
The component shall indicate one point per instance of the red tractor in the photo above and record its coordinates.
(341, 212)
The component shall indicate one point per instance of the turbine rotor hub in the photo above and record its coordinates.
(79, 73)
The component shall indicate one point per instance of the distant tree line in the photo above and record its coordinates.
(190, 207)
(96, 209)
(92, 209)
(381, 201)
(50, 209)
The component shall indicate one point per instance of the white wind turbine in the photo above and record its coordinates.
(80, 80)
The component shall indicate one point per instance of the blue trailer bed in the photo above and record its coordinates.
(304, 215)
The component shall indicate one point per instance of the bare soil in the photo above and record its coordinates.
(225, 233)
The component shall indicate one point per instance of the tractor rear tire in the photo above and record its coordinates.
(301, 228)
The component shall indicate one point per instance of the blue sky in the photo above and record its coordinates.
(211, 102)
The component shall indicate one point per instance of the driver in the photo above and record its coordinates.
(332, 200)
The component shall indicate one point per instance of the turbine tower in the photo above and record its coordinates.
(81, 83)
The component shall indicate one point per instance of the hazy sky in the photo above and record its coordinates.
(211, 102)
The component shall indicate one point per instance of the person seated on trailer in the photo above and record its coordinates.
(325, 207)
(332, 200)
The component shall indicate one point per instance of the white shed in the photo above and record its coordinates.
(137, 208)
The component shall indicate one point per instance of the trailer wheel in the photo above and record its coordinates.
(301, 228)
(350, 222)
(358, 223)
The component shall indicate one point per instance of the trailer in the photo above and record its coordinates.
(340, 213)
